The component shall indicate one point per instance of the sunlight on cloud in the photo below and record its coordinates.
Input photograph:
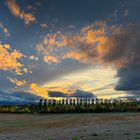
(28, 18)
(94, 44)
(95, 80)
(17, 82)
(9, 59)
(41, 91)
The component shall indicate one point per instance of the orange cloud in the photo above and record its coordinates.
(17, 82)
(9, 59)
(96, 43)
(76, 46)
(42, 91)
(28, 18)
(74, 55)
(50, 59)
(4, 29)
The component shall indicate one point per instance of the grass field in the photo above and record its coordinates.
(102, 126)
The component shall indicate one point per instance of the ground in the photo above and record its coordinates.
(102, 126)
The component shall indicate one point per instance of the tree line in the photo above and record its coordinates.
(43, 107)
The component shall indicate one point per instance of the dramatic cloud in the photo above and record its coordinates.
(116, 46)
(28, 18)
(57, 47)
(129, 78)
(98, 80)
(41, 91)
(9, 59)
(41, 73)
(95, 44)
(94, 50)
(4, 29)
(45, 92)
(17, 82)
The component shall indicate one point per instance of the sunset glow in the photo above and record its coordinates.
(45, 46)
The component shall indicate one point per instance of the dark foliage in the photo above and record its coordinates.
(42, 107)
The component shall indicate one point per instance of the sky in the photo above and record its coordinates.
(70, 45)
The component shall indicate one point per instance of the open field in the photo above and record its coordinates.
(102, 126)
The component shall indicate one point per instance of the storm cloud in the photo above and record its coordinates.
(129, 78)
(117, 46)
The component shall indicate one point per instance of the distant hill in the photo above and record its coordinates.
(57, 94)
(82, 94)
(77, 93)
(18, 97)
